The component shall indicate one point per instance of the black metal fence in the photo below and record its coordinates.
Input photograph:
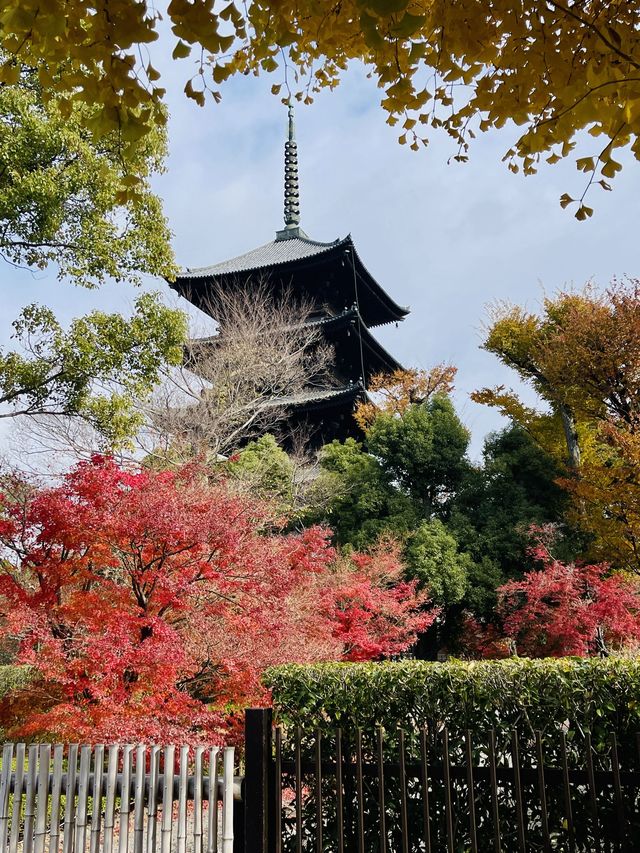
(428, 790)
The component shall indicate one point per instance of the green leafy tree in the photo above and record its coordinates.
(364, 504)
(266, 467)
(262, 469)
(402, 484)
(434, 558)
(95, 369)
(68, 197)
(423, 451)
(496, 506)
(465, 528)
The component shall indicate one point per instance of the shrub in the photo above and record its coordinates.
(574, 695)
(12, 680)
(14, 677)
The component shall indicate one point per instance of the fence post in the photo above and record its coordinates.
(258, 782)
(238, 823)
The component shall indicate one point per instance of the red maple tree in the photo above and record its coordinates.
(569, 609)
(149, 603)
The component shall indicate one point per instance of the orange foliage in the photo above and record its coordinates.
(582, 356)
(401, 389)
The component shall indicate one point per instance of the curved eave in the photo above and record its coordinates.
(261, 260)
(321, 398)
(379, 294)
(376, 351)
(334, 322)
(192, 284)
(375, 355)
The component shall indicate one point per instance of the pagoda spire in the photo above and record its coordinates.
(291, 187)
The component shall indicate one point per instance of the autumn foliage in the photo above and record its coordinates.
(560, 610)
(553, 69)
(400, 389)
(150, 603)
(581, 354)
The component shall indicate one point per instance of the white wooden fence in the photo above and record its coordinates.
(116, 799)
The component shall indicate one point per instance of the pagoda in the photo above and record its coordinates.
(346, 303)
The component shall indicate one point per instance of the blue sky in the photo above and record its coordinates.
(445, 239)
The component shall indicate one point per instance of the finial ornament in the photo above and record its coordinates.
(291, 189)
(292, 126)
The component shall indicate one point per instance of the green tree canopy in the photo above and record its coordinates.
(514, 488)
(465, 527)
(264, 463)
(68, 197)
(434, 559)
(364, 503)
(424, 452)
(496, 506)
(402, 484)
(94, 370)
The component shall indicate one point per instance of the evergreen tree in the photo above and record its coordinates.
(496, 506)
(402, 484)
(423, 452)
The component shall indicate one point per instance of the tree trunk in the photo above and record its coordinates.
(600, 644)
(571, 436)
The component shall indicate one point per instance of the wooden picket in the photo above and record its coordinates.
(116, 799)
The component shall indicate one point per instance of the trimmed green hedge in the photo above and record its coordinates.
(551, 695)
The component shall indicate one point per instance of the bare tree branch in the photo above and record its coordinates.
(235, 385)
(229, 389)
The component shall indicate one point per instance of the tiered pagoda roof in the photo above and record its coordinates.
(303, 266)
(346, 302)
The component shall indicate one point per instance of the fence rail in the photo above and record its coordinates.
(117, 799)
(21, 784)
(422, 790)
(428, 790)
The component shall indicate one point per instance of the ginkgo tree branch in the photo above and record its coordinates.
(571, 13)
(492, 61)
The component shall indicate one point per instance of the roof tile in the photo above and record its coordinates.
(275, 252)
